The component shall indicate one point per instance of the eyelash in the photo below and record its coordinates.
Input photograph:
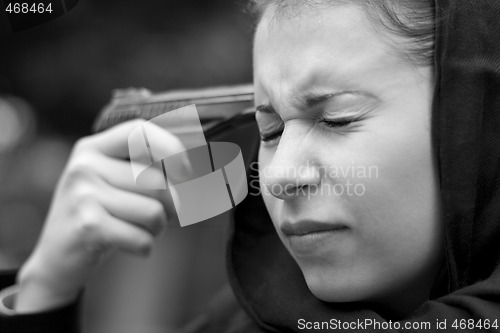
(329, 123)
(337, 123)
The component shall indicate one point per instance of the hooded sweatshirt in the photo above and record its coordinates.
(268, 292)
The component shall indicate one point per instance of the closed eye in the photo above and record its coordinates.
(329, 123)
(337, 123)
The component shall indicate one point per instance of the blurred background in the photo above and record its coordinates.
(55, 78)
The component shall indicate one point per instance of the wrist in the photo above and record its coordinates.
(39, 290)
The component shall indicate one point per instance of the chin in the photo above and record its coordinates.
(338, 288)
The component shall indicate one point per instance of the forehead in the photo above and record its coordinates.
(316, 44)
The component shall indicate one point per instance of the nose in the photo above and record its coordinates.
(293, 169)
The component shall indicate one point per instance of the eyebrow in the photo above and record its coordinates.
(310, 102)
(313, 101)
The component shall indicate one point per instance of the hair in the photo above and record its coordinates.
(413, 21)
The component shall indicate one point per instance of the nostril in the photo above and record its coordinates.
(287, 180)
(280, 191)
(284, 191)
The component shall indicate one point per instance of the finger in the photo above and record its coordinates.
(142, 211)
(126, 236)
(153, 144)
(114, 141)
(100, 231)
(162, 142)
(145, 143)
(118, 173)
(144, 170)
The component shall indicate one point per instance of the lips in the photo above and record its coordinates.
(303, 228)
(311, 238)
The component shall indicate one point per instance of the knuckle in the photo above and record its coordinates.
(81, 200)
(81, 193)
(86, 159)
(80, 174)
(89, 220)
(88, 210)
(89, 231)
(82, 144)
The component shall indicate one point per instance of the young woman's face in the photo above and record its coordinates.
(346, 163)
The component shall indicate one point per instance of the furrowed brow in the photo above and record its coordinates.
(313, 101)
(310, 101)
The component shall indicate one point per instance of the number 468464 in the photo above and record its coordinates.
(25, 8)
(472, 324)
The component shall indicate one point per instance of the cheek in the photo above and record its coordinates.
(403, 155)
(401, 205)
(400, 211)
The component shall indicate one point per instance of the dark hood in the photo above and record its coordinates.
(466, 127)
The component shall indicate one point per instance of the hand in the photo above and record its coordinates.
(97, 207)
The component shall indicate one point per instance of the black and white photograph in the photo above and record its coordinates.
(249, 166)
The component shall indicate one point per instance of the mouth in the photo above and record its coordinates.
(303, 228)
(310, 238)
